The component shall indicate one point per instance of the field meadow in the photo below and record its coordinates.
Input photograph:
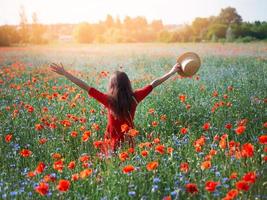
(202, 137)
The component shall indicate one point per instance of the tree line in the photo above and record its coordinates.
(228, 26)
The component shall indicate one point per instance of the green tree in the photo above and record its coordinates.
(84, 33)
(228, 16)
(37, 30)
(24, 30)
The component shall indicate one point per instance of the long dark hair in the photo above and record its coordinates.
(120, 95)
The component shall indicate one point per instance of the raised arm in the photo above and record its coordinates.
(160, 80)
(59, 69)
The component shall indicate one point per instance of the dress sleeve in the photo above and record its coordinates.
(141, 93)
(99, 96)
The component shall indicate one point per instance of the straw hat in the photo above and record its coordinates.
(190, 63)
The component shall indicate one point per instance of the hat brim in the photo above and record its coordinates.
(186, 55)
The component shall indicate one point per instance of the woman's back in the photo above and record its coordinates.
(113, 130)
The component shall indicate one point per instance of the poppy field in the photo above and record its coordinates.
(202, 137)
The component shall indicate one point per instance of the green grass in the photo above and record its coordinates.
(242, 66)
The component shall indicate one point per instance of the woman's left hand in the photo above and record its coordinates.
(59, 69)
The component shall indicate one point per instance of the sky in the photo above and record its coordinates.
(92, 11)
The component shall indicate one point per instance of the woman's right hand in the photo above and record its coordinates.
(59, 69)
(176, 68)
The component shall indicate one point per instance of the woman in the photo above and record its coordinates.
(121, 102)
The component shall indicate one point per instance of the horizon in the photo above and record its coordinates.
(95, 11)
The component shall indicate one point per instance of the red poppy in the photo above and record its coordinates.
(84, 158)
(233, 175)
(160, 149)
(144, 153)
(63, 185)
(127, 169)
(58, 165)
(183, 131)
(71, 165)
(250, 177)
(191, 188)
(182, 98)
(124, 128)
(211, 186)
(42, 188)
(228, 126)
(184, 167)
(232, 194)
(74, 134)
(86, 135)
(247, 150)
(40, 168)
(75, 177)
(154, 123)
(205, 165)
(132, 132)
(25, 153)
(95, 127)
(56, 156)
(240, 129)
(43, 141)
(65, 123)
(8, 138)
(38, 127)
(242, 185)
(206, 126)
(263, 139)
(123, 156)
(85, 173)
(152, 166)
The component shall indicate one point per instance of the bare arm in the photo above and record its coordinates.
(59, 69)
(160, 80)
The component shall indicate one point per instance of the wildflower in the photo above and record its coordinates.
(191, 188)
(206, 126)
(152, 166)
(38, 127)
(250, 177)
(74, 134)
(247, 150)
(86, 136)
(75, 177)
(211, 186)
(127, 169)
(205, 165)
(124, 128)
(228, 126)
(8, 138)
(184, 167)
(123, 156)
(233, 175)
(42, 141)
(71, 165)
(25, 153)
(182, 98)
(240, 129)
(242, 185)
(58, 165)
(144, 153)
(42, 188)
(63, 185)
(154, 123)
(40, 168)
(263, 139)
(84, 158)
(85, 173)
(183, 131)
(160, 149)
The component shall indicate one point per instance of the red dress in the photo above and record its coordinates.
(113, 132)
